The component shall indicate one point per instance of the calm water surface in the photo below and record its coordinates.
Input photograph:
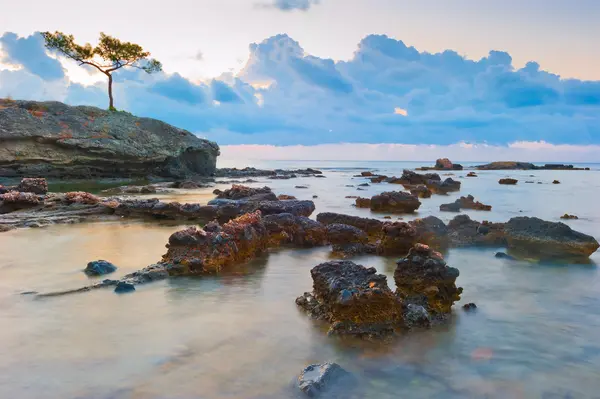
(239, 335)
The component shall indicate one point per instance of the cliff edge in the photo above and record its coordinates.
(52, 139)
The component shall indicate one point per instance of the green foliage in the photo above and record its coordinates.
(109, 55)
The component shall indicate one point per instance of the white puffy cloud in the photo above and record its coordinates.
(386, 93)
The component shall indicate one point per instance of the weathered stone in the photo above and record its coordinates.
(33, 185)
(416, 316)
(371, 226)
(467, 202)
(354, 299)
(508, 181)
(237, 192)
(285, 228)
(317, 379)
(123, 287)
(395, 201)
(547, 239)
(14, 201)
(286, 197)
(55, 139)
(421, 191)
(462, 231)
(556, 182)
(423, 278)
(99, 268)
(198, 251)
(471, 174)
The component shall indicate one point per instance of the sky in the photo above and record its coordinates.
(320, 72)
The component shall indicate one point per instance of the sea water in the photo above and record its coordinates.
(240, 335)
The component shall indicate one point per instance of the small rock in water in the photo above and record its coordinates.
(567, 216)
(364, 185)
(301, 186)
(508, 181)
(315, 196)
(123, 287)
(317, 378)
(99, 268)
(469, 307)
(387, 217)
(416, 316)
(502, 255)
(555, 182)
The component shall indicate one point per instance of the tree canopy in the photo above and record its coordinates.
(108, 56)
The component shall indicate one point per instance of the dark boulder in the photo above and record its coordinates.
(318, 379)
(548, 239)
(508, 181)
(569, 217)
(123, 287)
(237, 192)
(99, 268)
(503, 255)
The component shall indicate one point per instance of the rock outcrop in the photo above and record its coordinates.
(320, 379)
(52, 139)
(467, 202)
(390, 201)
(353, 298)
(547, 240)
(423, 278)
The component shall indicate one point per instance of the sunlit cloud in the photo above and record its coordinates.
(400, 111)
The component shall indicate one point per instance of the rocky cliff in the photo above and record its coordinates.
(54, 139)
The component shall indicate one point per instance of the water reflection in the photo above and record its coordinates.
(240, 334)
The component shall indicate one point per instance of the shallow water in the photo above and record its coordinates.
(240, 335)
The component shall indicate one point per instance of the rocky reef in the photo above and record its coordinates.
(52, 139)
(513, 165)
(357, 301)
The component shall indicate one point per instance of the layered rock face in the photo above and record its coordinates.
(52, 139)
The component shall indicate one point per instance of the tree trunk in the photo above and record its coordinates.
(111, 106)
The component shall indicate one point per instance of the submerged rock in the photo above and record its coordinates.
(469, 307)
(424, 278)
(508, 181)
(99, 268)
(471, 174)
(416, 316)
(123, 287)
(502, 255)
(317, 379)
(55, 139)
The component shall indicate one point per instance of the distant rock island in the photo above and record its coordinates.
(512, 165)
(52, 139)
